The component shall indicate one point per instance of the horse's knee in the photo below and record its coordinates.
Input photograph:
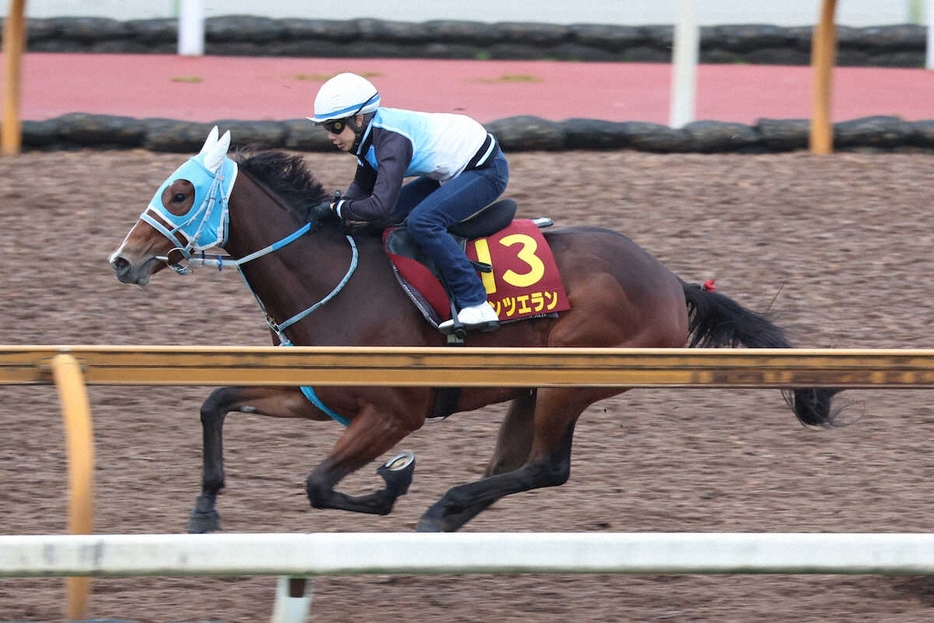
(318, 491)
(215, 406)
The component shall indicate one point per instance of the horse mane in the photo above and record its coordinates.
(286, 175)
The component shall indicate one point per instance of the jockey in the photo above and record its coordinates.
(458, 169)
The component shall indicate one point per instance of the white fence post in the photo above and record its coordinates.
(684, 71)
(293, 600)
(929, 53)
(191, 28)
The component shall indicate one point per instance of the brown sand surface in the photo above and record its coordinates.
(840, 248)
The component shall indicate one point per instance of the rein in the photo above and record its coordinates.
(279, 328)
(206, 224)
(222, 260)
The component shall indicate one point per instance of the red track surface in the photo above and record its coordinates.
(213, 88)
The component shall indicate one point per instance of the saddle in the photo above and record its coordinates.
(512, 256)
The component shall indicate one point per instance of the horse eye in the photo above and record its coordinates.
(178, 198)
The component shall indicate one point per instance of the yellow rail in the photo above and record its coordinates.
(475, 367)
(70, 367)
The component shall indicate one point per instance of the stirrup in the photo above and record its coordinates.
(454, 327)
(457, 328)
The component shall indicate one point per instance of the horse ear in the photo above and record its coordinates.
(210, 141)
(215, 155)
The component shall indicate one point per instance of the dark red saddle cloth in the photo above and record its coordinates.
(524, 283)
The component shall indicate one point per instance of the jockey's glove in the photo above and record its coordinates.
(321, 212)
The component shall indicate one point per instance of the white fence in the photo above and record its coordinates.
(628, 12)
(463, 553)
(295, 556)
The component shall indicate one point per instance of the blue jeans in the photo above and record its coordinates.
(430, 208)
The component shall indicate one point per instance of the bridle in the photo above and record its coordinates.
(206, 226)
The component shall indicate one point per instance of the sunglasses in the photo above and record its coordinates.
(336, 126)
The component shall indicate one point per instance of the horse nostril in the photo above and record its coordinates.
(120, 265)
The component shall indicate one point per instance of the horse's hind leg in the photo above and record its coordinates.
(275, 401)
(513, 444)
(548, 463)
(516, 433)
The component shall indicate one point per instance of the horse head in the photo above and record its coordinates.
(187, 213)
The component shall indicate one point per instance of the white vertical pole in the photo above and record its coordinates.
(929, 15)
(191, 28)
(293, 600)
(685, 54)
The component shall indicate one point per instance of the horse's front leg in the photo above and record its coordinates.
(370, 434)
(273, 401)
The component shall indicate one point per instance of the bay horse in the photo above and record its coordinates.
(322, 286)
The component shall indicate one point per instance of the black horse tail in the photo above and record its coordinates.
(717, 321)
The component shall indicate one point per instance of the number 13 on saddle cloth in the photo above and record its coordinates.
(524, 282)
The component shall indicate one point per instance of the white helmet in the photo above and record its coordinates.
(343, 96)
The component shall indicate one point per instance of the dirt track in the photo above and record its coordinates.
(840, 247)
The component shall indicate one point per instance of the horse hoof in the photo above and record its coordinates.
(397, 473)
(200, 522)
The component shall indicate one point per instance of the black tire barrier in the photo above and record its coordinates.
(521, 133)
(241, 35)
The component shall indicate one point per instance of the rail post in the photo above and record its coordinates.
(76, 412)
(191, 28)
(823, 58)
(684, 66)
(293, 600)
(14, 42)
(929, 21)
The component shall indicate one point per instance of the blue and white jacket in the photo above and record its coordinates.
(401, 143)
